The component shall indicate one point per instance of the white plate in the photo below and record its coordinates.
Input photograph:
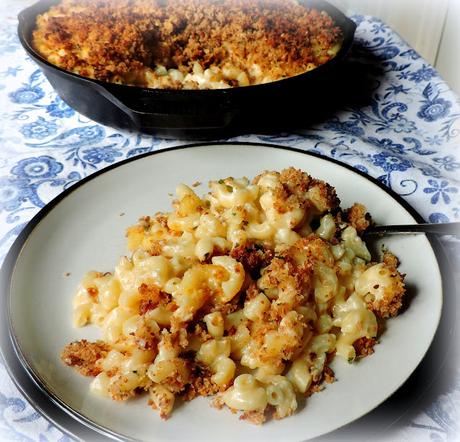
(84, 230)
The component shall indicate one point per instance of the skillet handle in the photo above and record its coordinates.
(202, 115)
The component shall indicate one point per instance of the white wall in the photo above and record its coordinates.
(432, 27)
(448, 59)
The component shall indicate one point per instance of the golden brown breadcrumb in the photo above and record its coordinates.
(291, 281)
(295, 298)
(161, 400)
(390, 259)
(253, 417)
(297, 189)
(392, 301)
(358, 217)
(326, 376)
(151, 297)
(83, 356)
(117, 40)
(364, 346)
(329, 376)
(302, 185)
(201, 383)
(253, 257)
(118, 390)
(314, 388)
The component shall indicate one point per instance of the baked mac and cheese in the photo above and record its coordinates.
(186, 44)
(246, 293)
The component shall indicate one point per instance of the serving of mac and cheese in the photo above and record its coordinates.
(186, 44)
(245, 294)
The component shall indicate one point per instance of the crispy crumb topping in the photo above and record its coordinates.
(137, 41)
(84, 355)
(253, 290)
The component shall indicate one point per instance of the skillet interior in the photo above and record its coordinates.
(187, 113)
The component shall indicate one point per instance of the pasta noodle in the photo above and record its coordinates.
(246, 293)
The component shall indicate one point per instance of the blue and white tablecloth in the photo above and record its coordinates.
(407, 136)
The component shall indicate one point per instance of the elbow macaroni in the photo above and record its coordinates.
(236, 293)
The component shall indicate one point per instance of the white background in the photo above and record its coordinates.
(432, 27)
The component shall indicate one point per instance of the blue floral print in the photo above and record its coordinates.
(378, 28)
(406, 134)
(98, 155)
(390, 162)
(13, 192)
(40, 167)
(396, 89)
(434, 140)
(13, 71)
(448, 162)
(438, 218)
(425, 73)
(434, 109)
(400, 124)
(31, 91)
(39, 129)
(350, 128)
(27, 95)
(8, 41)
(440, 189)
(74, 138)
(59, 109)
(410, 53)
(387, 144)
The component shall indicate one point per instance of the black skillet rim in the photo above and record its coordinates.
(348, 28)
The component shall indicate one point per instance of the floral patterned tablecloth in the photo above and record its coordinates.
(407, 136)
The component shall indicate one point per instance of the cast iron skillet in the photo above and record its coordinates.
(190, 113)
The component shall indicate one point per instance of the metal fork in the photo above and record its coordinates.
(436, 229)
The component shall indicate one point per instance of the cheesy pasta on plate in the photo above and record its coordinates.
(246, 294)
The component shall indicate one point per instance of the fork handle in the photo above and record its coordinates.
(438, 229)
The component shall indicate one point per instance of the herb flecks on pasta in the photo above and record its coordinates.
(246, 293)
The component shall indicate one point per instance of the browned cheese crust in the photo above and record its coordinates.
(83, 356)
(253, 257)
(327, 376)
(364, 346)
(358, 217)
(282, 280)
(254, 417)
(115, 40)
(390, 259)
(390, 305)
(201, 384)
(151, 297)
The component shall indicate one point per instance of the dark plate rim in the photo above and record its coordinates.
(9, 345)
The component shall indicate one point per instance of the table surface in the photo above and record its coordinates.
(402, 127)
